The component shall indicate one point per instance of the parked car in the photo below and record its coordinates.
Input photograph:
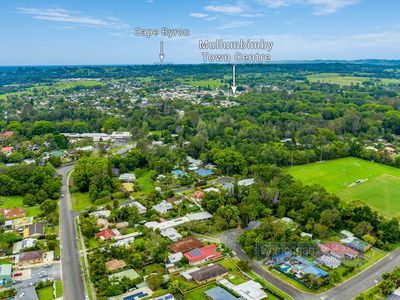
(17, 274)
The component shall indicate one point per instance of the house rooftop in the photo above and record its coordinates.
(218, 293)
(199, 254)
(131, 274)
(209, 272)
(186, 244)
(115, 264)
(5, 270)
(31, 255)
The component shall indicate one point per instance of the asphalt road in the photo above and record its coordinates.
(347, 290)
(73, 287)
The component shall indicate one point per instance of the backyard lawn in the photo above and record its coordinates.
(17, 201)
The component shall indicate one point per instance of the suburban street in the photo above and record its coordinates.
(347, 290)
(72, 277)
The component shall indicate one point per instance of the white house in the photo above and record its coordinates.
(163, 207)
(246, 182)
(171, 233)
(141, 209)
(127, 177)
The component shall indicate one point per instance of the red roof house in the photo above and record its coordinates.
(338, 250)
(6, 134)
(105, 234)
(198, 195)
(7, 149)
(199, 255)
(10, 213)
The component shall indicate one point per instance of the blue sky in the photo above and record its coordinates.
(101, 31)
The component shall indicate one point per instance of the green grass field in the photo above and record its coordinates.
(345, 79)
(46, 293)
(336, 78)
(80, 201)
(212, 83)
(380, 190)
(17, 201)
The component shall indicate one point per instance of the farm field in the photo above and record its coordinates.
(380, 186)
(345, 80)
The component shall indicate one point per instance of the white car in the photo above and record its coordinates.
(22, 295)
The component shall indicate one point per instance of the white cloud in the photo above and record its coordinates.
(70, 17)
(325, 7)
(198, 15)
(275, 3)
(236, 24)
(320, 7)
(226, 9)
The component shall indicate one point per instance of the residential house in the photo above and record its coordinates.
(115, 264)
(102, 223)
(29, 258)
(107, 234)
(198, 195)
(21, 223)
(356, 244)
(302, 266)
(186, 274)
(119, 136)
(127, 177)
(163, 207)
(246, 182)
(5, 275)
(141, 209)
(185, 245)
(12, 213)
(228, 187)
(5, 135)
(137, 294)
(7, 150)
(171, 233)
(281, 257)
(131, 274)
(338, 250)
(25, 243)
(211, 190)
(209, 273)
(203, 254)
(249, 290)
(101, 214)
(218, 293)
(175, 258)
(34, 230)
(329, 261)
(164, 297)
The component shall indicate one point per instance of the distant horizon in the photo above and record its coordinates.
(289, 61)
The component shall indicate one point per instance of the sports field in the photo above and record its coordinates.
(378, 186)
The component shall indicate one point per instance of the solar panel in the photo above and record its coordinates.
(195, 252)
